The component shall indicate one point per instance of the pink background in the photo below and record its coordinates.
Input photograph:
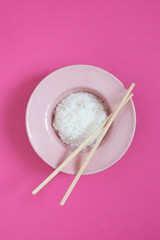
(38, 37)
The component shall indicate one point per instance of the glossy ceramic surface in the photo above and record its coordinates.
(58, 85)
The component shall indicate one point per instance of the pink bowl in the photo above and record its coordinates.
(58, 85)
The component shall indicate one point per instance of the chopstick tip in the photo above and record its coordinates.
(62, 202)
(33, 192)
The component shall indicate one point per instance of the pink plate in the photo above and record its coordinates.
(58, 85)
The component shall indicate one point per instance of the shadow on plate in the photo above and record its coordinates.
(15, 124)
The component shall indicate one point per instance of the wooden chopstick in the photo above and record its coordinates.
(114, 114)
(61, 166)
(52, 175)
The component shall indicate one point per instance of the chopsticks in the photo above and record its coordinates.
(84, 165)
(107, 123)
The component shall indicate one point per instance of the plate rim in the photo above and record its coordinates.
(105, 71)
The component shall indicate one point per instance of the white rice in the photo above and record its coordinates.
(77, 116)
